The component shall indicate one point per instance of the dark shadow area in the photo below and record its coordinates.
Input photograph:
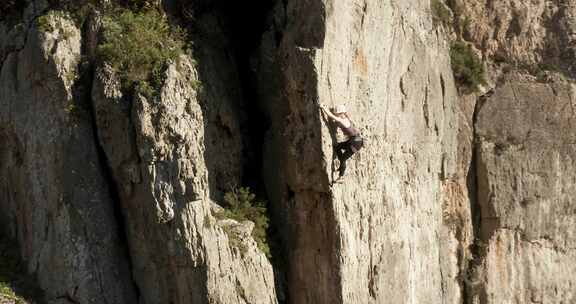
(14, 283)
(244, 23)
(11, 11)
(482, 227)
(227, 34)
(83, 110)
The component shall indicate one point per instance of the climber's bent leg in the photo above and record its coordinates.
(344, 152)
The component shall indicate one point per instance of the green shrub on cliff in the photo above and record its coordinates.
(142, 4)
(440, 12)
(242, 206)
(138, 45)
(467, 67)
(53, 20)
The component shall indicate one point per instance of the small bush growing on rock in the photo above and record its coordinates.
(78, 10)
(235, 240)
(467, 67)
(440, 12)
(52, 21)
(138, 45)
(242, 206)
(45, 21)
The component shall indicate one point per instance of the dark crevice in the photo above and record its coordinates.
(243, 24)
(114, 194)
(83, 95)
(478, 247)
(471, 182)
(11, 11)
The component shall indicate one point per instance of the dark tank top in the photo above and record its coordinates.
(354, 138)
(351, 131)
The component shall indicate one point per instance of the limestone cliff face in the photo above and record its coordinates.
(158, 149)
(55, 198)
(456, 197)
(522, 134)
(77, 155)
(524, 190)
(532, 35)
(377, 237)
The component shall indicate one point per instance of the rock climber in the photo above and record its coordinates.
(344, 150)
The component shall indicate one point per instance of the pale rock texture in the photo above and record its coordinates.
(521, 174)
(525, 175)
(377, 237)
(55, 198)
(9, 300)
(169, 155)
(530, 34)
(114, 194)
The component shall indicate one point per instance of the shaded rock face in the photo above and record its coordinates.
(170, 154)
(54, 195)
(157, 161)
(113, 194)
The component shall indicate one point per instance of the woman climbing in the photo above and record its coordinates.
(345, 149)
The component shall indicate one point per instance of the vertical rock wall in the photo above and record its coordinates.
(55, 198)
(151, 174)
(377, 237)
(525, 184)
(170, 154)
(453, 198)
(523, 153)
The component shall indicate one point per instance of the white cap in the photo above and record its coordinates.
(339, 109)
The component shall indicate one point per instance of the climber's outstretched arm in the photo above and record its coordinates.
(330, 114)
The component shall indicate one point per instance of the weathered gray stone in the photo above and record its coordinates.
(533, 35)
(452, 199)
(519, 177)
(55, 198)
(378, 237)
(170, 154)
(525, 168)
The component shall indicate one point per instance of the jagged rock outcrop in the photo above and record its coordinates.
(531, 35)
(113, 192)
(54, 195)
(378, 237)
(169, 155)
